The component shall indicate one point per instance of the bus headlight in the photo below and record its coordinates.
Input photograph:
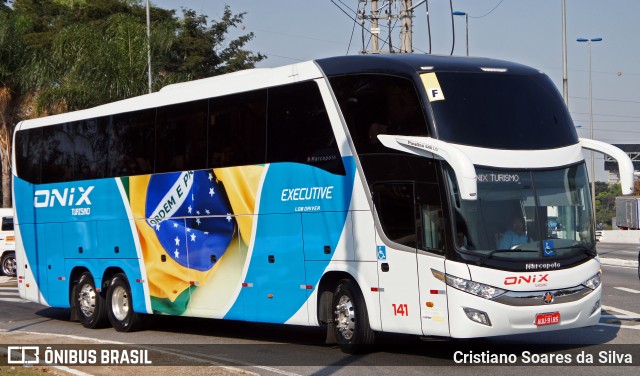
(475, 288)
(593, 282)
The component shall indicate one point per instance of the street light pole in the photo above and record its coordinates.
(149, 45)
(590, 41)
(565, 79)
(466, 18)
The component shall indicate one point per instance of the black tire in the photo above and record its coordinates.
(89, 303)
(351, 320)
(9, 266)
(120, 305)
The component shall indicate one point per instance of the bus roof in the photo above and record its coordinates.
(409, 64)
(252, 79)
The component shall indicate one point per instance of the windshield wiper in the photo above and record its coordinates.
(488, 255)
(583, 248)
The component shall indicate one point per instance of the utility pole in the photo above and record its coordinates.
(374, 18)
(387, 10)
(375, 28)
(565, 79)
(407, 26)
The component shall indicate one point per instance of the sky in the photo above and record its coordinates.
(523, 31)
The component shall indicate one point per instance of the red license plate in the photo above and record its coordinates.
(548, 319)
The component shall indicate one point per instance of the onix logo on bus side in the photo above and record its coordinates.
(532, 278)
(51, 197)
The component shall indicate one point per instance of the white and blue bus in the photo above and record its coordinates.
(393, 193)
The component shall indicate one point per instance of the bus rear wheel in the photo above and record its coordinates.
(350, 317)
(90, 307)
(120, 305)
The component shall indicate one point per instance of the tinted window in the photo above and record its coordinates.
(7, 223)
(131, 143)
(28, 154)
(90, 142)
(394, 203)
(299, 129)
(237, 129)
(375, 104)
(181, 142)
(405, 193)
(58, 153)
(502, 111)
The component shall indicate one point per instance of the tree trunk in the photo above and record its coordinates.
(5, 145)
(5, 160)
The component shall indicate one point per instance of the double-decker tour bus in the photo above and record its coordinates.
(393, 193)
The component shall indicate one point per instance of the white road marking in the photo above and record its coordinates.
(199, 356)
(627, 290)
(619, 314)
(14, 300)
(61, 368)
(11, 295)
(624, 312)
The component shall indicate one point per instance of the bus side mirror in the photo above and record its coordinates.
(428, 147)
(625, 165)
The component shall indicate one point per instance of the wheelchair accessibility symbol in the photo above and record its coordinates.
(382, 252)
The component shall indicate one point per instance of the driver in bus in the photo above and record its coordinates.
(514, 235)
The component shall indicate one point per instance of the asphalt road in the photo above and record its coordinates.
(291, 350)
(620, 251)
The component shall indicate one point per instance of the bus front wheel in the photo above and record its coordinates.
(120, 305)
(351, 321)
(90, 307)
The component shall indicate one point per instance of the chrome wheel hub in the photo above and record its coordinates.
(345, 317)
(9, 266)
(87, 300)
(120, 303)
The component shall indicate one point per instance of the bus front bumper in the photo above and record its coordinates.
(471, 316)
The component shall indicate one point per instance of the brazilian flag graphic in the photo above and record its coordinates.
(186, 225)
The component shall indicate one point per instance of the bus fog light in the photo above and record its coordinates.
(477, 316)
(595, 307)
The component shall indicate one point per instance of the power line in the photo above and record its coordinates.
(491, 11)
(353, 29)
(611, 115)
(353, 19)
(608, 100)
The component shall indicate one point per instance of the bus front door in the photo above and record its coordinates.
(397, 274)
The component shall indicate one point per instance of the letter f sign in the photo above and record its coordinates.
(435, 94)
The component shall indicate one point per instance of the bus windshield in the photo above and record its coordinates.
(502, 111)
(525, 214)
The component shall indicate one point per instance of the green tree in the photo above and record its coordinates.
(606, 201)
(192, 55)
(62, 55)
(12, 45)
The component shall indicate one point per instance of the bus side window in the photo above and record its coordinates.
(90, 155)
(431, 218)
(181, 142)
(394, 203)
(237, 129)
(58, 156)
(29, 154)
(379, 104)
(7, 224)
(131, 143)
(299, 129)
